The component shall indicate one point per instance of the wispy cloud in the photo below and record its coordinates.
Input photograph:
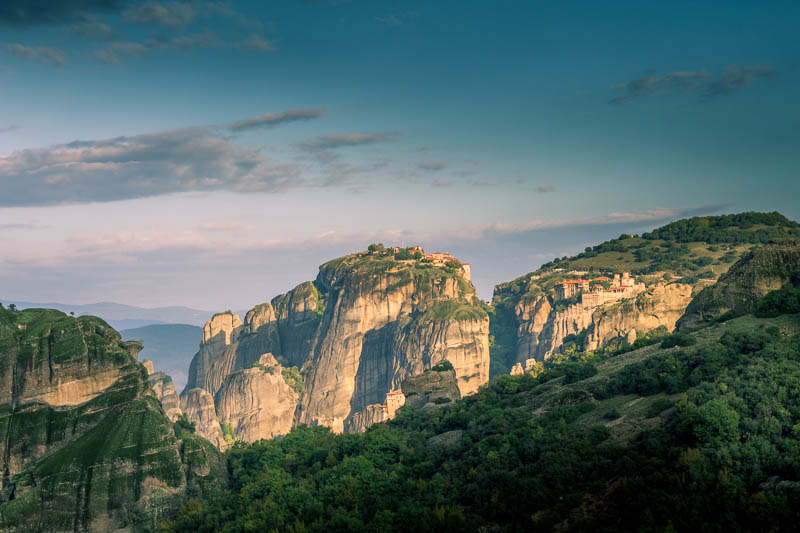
(543, 189)
(189, 159)
(257, 43)
(46, 55)
(340, 140)
(680, 81)
(738, 78)
(699, 82)
(20, 226)
(397, 19)
(9, 128)
(169, 14)
(91, 28)
(274, 119)
(200, 158)
(118, 50)
(433, 165)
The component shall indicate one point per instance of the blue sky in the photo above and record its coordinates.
(212, 154)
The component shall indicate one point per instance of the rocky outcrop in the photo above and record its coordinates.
(541, 328)
(164, 390)
(257, 403)
(431, 389)
(355, 333)
(85, 443)
(198, 405)
(746, 282)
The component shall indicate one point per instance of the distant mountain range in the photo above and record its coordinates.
(169, 346)
(121, 316)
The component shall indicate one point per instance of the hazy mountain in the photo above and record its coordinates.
(169, 346)
(121, 316)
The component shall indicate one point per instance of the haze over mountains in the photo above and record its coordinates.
(121, 316)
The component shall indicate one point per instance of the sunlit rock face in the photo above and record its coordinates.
(365, 324)
(541, 327)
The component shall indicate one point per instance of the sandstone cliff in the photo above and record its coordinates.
(541, 327)
(366, 322)
(750, 279)
(164, 390)
(85, 443)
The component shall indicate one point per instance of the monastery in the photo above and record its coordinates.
(439, 259)
(619, 287)
(394, 400)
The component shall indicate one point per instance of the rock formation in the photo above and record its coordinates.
(431, 389)
(257, 403)
(542, 327)
(366, 323)
(85, 443)
(748, 280)
(164, 391)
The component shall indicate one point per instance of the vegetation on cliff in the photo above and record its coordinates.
(86, 445)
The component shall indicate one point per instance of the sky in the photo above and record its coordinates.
(213, 154)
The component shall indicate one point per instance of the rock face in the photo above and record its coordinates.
(431, 389)
(541, 327)
(198, 405)
(257, 403)
(164, 391)
(85, 443)
(365, 324)
(747, 281)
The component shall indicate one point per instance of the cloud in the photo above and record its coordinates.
(274, 119)
(700, 82)
(189, 159)
(118, 50)
(738, 78)
(20, 226)
(46, 55)
(23, 13)
(619, 217)
(340, 140)
(9, 128)
(169, 14)
(433, 164)
(543, 189)
(680, 81)
(397, 19)
(257, 43)
(91, 28)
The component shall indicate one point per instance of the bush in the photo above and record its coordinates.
(678, 339)
(578, 371)
(784, 301)
(183, 423)
(443, 366)
(658, 406)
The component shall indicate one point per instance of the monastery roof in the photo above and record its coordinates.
(395, 392)
(573, 282)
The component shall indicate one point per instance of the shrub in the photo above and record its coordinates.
(578, 371)
(443, 366)
(658, 406)
(784, 301)
(678, 339)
